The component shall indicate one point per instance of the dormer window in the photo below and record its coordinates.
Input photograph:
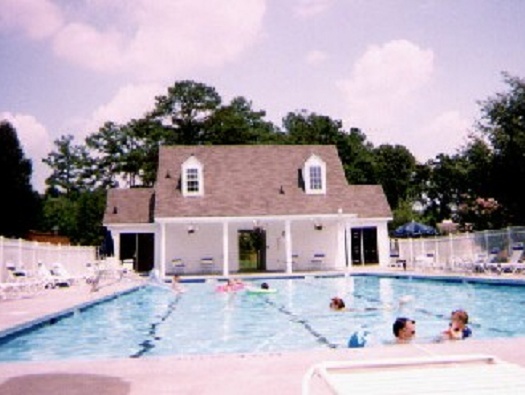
(192, 177)
(315, 176)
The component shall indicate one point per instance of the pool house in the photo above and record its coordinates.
(234, 209)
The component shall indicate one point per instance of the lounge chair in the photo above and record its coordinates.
(396, 261)
(514, 263)
(50, 279)
(21, 283)
(456, 374)
(58, 270)
(317, 261)
(177, 266)
(207, 264)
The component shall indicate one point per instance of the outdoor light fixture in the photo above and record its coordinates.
(168, 175)
(191, 229)
(318, 226)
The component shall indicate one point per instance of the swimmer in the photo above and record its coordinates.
(176, 286)
(458, 328)
(404, 330)
(338, 304)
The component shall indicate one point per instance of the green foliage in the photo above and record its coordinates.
(20, 203)
(238, 123)
(70, 164)
(394, 168)
(79, 217)
(457, 186)
(185, 111)
(503, 125)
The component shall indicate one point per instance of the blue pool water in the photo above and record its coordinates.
(154, 321)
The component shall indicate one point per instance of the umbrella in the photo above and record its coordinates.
(415, 229)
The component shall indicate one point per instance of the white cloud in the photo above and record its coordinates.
(84, 45)
(384, 81)
(175, 37)
(309, 8)
(36, 144)
(130, 102)
(38, 19)
(315, 57)
(448, 133)
(146, 39)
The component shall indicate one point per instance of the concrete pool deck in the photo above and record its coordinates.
(275, 373)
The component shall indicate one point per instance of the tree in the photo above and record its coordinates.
(238, 123)
(20, 206)
(503, 124)
(185, 111)
(394, 169)
(357, 157)
(304, 127)
(69, 166)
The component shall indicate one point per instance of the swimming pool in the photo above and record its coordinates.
(154, 321)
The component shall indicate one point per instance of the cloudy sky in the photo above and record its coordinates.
(407, 72)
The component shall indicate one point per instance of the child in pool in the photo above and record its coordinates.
(458, 328)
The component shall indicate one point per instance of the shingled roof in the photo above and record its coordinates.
(247, 181)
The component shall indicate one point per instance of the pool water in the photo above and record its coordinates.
(154, 321)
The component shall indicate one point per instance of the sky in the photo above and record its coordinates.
(407, 72)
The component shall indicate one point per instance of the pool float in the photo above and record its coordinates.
(358, 339)
(261, 291)
(229, 287)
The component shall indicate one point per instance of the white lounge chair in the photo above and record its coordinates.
(460, 374)
(177, 266)
(514, 263)
(317, 261)
(207, 265)
(21, 283)
(51, 280)
(58, 270)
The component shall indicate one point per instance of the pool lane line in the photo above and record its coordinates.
(149, 344)
(294, 318)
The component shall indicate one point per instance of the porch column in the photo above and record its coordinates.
(116, 244)
(288, 245)
(162, 268)
(340, 251)
(225, 250)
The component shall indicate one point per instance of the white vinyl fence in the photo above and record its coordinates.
(24, 254)
(446, 250)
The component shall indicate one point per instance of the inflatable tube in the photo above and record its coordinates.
(260, 291)
(358, 339)
(229, 288)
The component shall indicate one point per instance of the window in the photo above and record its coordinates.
(314, 171)
(192, 177)
(316, 178)
(192, 180)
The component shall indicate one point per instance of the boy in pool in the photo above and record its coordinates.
(404, 330)
(458, 328)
